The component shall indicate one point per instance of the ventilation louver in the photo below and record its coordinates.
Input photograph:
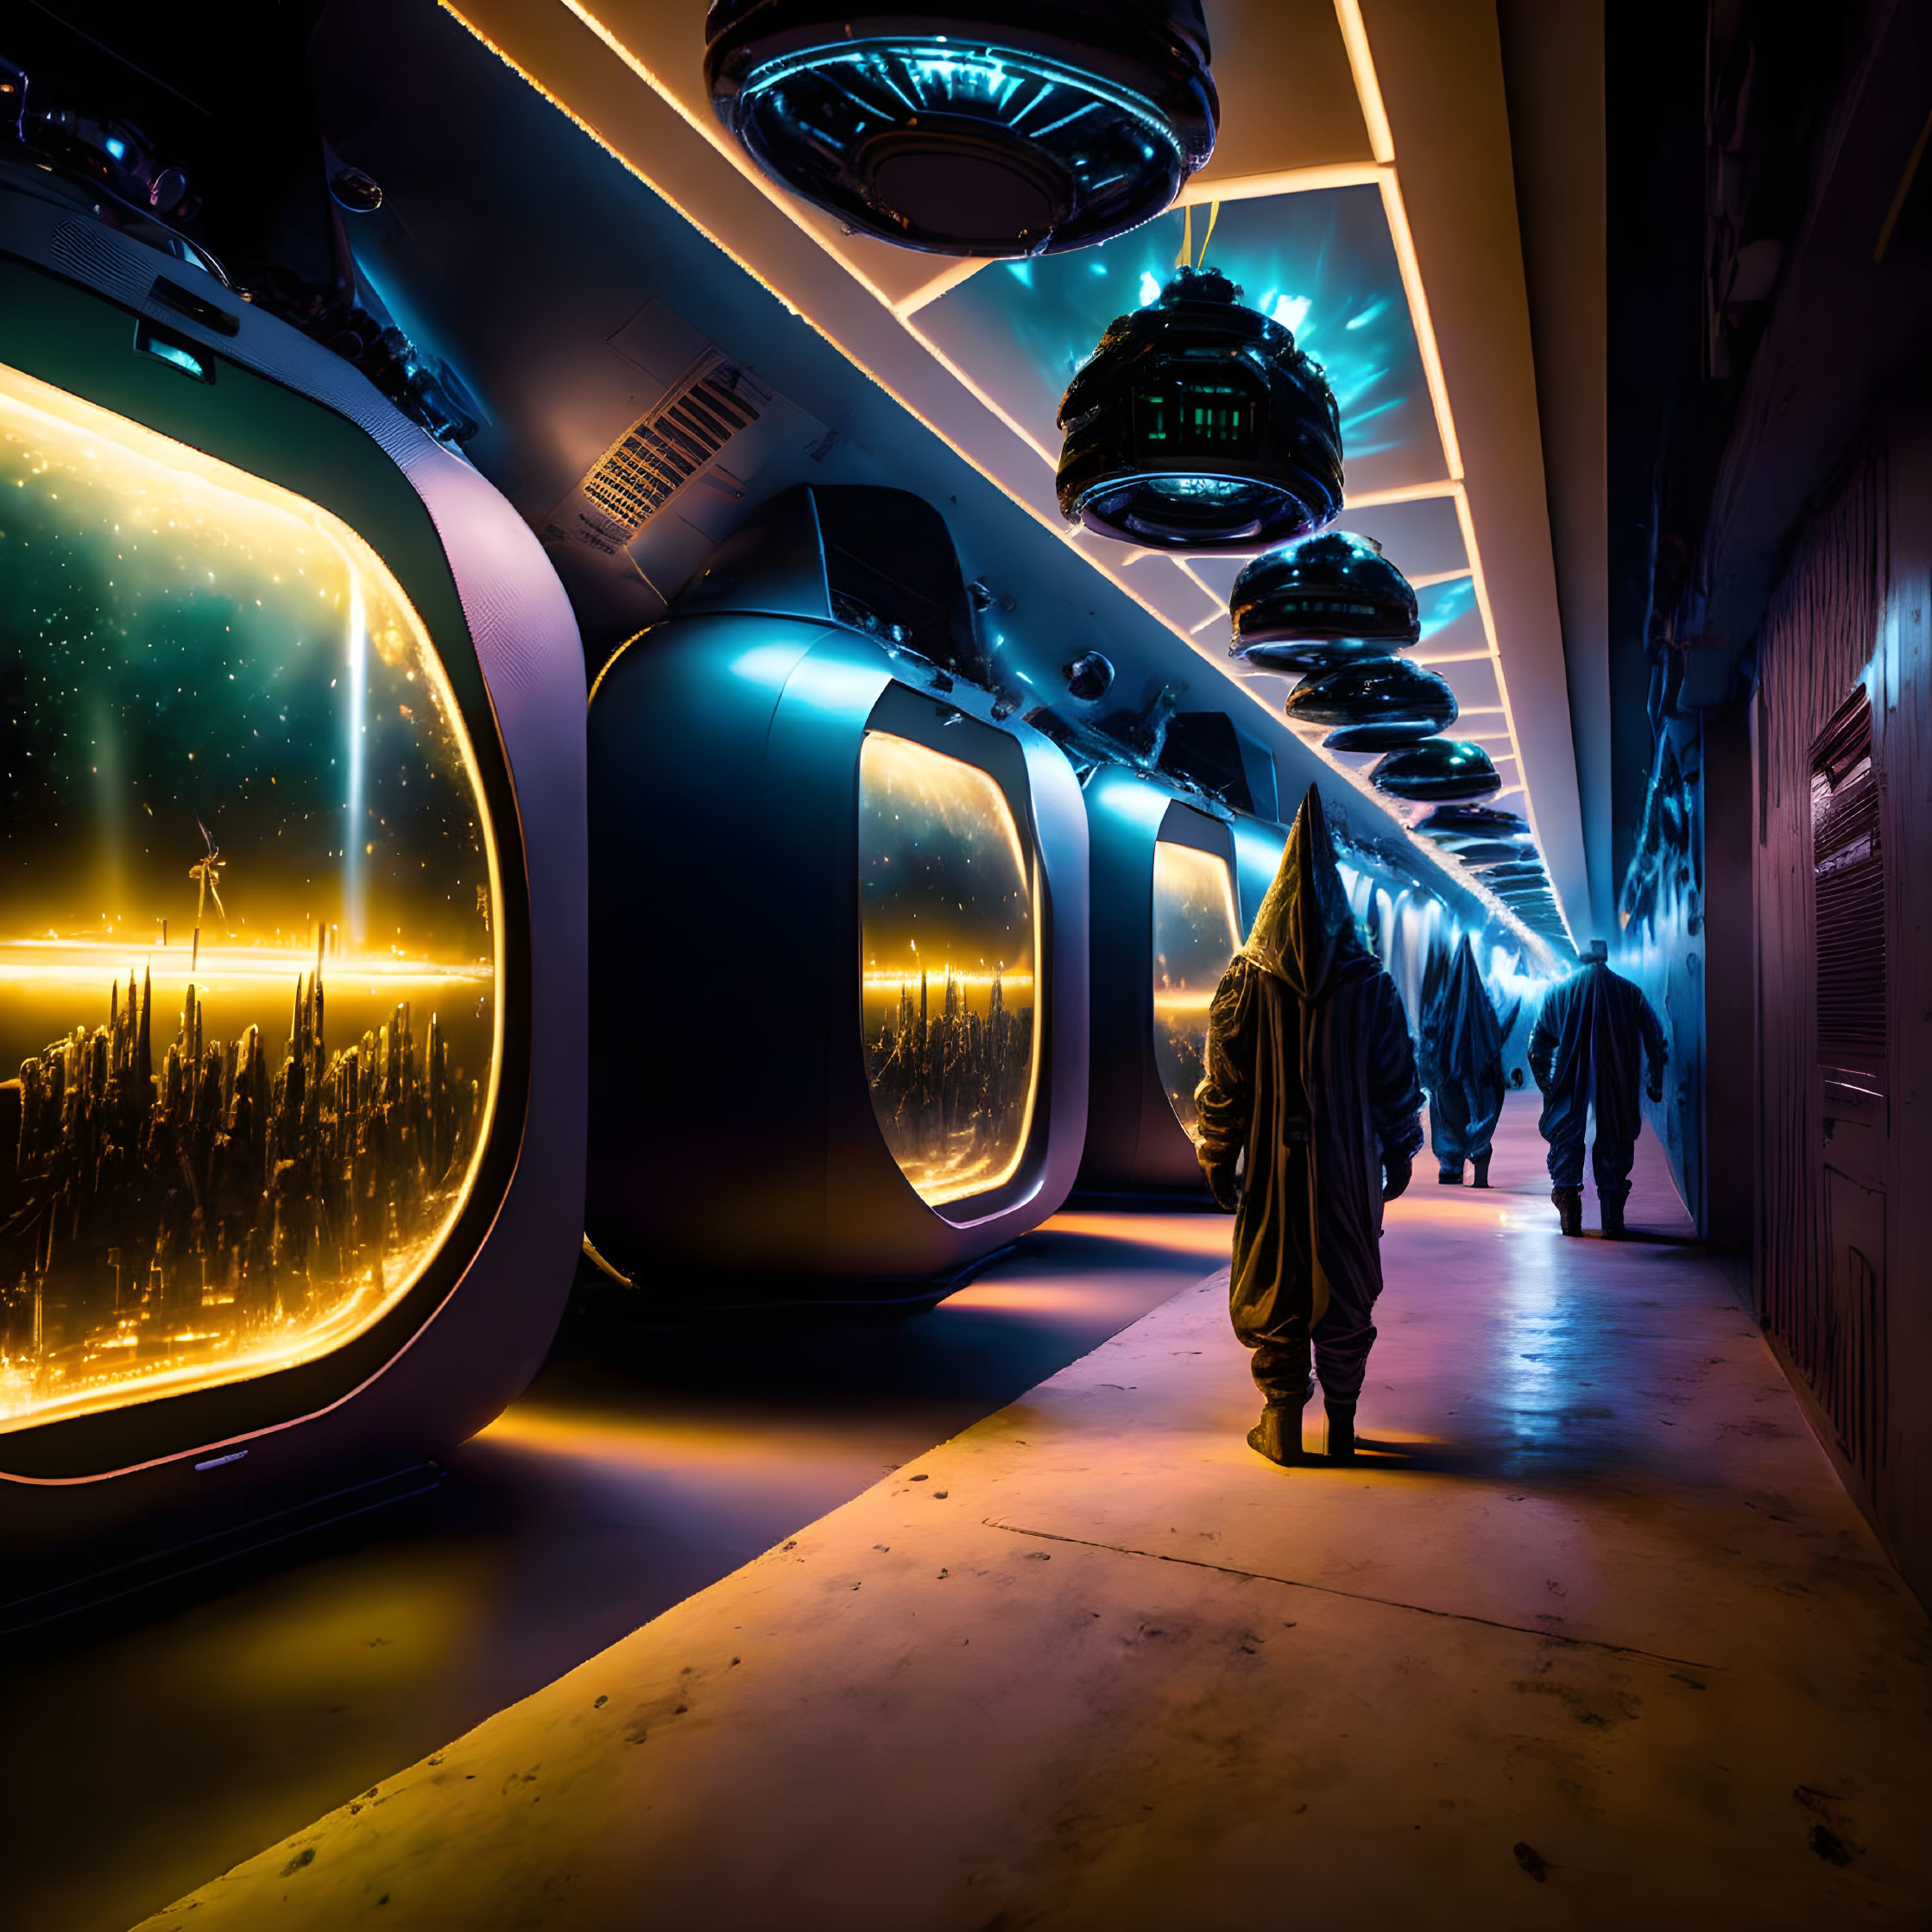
(1849, 880)
(659, 456)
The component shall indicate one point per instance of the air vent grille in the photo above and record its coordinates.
(1849, 880)
(664, 452)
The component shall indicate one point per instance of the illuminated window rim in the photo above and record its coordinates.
(1223, 864)
(904, 710)
(1027, 866)
(38, 408)
(72, 339)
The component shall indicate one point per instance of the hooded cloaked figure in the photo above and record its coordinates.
(1311, 1077)
(1462, 1068)
(1584, 1053)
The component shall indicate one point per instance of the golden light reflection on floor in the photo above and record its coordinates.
(1070, 1298)
(661, 1443)
(1208, 1235)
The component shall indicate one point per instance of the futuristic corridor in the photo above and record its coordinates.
(962, 969)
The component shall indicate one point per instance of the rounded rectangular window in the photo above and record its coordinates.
(248, 965)
(1196, 933)
(948, 959)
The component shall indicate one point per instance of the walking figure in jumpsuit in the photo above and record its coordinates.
(1462, 1068)
(1583, 1052)
(1309, 1123)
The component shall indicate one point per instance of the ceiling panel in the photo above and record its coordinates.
(1422, 537)
(1476, 691)
(1160, 583)
(1321, 262)
(1287, 97)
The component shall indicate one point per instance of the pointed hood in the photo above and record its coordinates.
(1304, 932)
(1466, 1022)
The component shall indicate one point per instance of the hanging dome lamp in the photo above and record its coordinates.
(1448, 823)
(987, 128)
(1197, 425)
(1328, 601)
(1374, 705)
(1439, 769)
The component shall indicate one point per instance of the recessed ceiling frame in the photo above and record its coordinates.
(1380, 172)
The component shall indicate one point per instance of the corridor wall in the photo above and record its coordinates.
(1842, 722)
(1662, 944)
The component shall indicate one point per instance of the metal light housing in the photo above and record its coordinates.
(1450, 770)
(1319, 604)
(1008, 128)
(1374, 705)
(1196, 424)
(1454, 822)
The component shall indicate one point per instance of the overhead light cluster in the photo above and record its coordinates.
(1198, 424)
(1014, 127)
(1004, 128)
(1500, 849)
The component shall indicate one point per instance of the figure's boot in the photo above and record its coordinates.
(1450, 1177)
(1612, 1209)
(1570, 1208)
(1278, 1436)
(1482, 1170)
(1341, 1431)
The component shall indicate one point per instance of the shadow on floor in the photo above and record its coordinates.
(209, 1717)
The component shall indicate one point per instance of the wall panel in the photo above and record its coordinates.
(1845, 1113)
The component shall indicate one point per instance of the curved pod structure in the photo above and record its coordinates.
(295, 947)
(1168, 917)
(1259, 844)
(839, 956)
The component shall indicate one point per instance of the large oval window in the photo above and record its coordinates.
(1196, 933)
(249, 961)
(947, 949)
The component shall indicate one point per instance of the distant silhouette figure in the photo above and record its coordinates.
(1311, 1086)
(1584, 1054)
(1461, 1065)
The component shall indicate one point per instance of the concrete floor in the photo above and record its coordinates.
(1594, 1638)
(180, 1731)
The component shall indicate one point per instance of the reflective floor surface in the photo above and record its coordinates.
(180, 1733)
(1590, 1637)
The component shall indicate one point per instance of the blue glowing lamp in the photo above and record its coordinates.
(1004, 128)
(1374, 705)
(1442, 769)
(1319, 604)
(1450, 823)
(1198, 424)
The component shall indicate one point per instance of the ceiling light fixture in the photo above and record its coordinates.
(1328, 601)
(1467, 821)
(1439, 769)
(1003, 127)
(1197, 425)
(1374, 705)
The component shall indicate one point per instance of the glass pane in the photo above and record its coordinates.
(946, 937)
(248, 966)
(1196, 933)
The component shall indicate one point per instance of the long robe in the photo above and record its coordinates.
(1461, 1063)
(1310, 1075)
(1584, 1052)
